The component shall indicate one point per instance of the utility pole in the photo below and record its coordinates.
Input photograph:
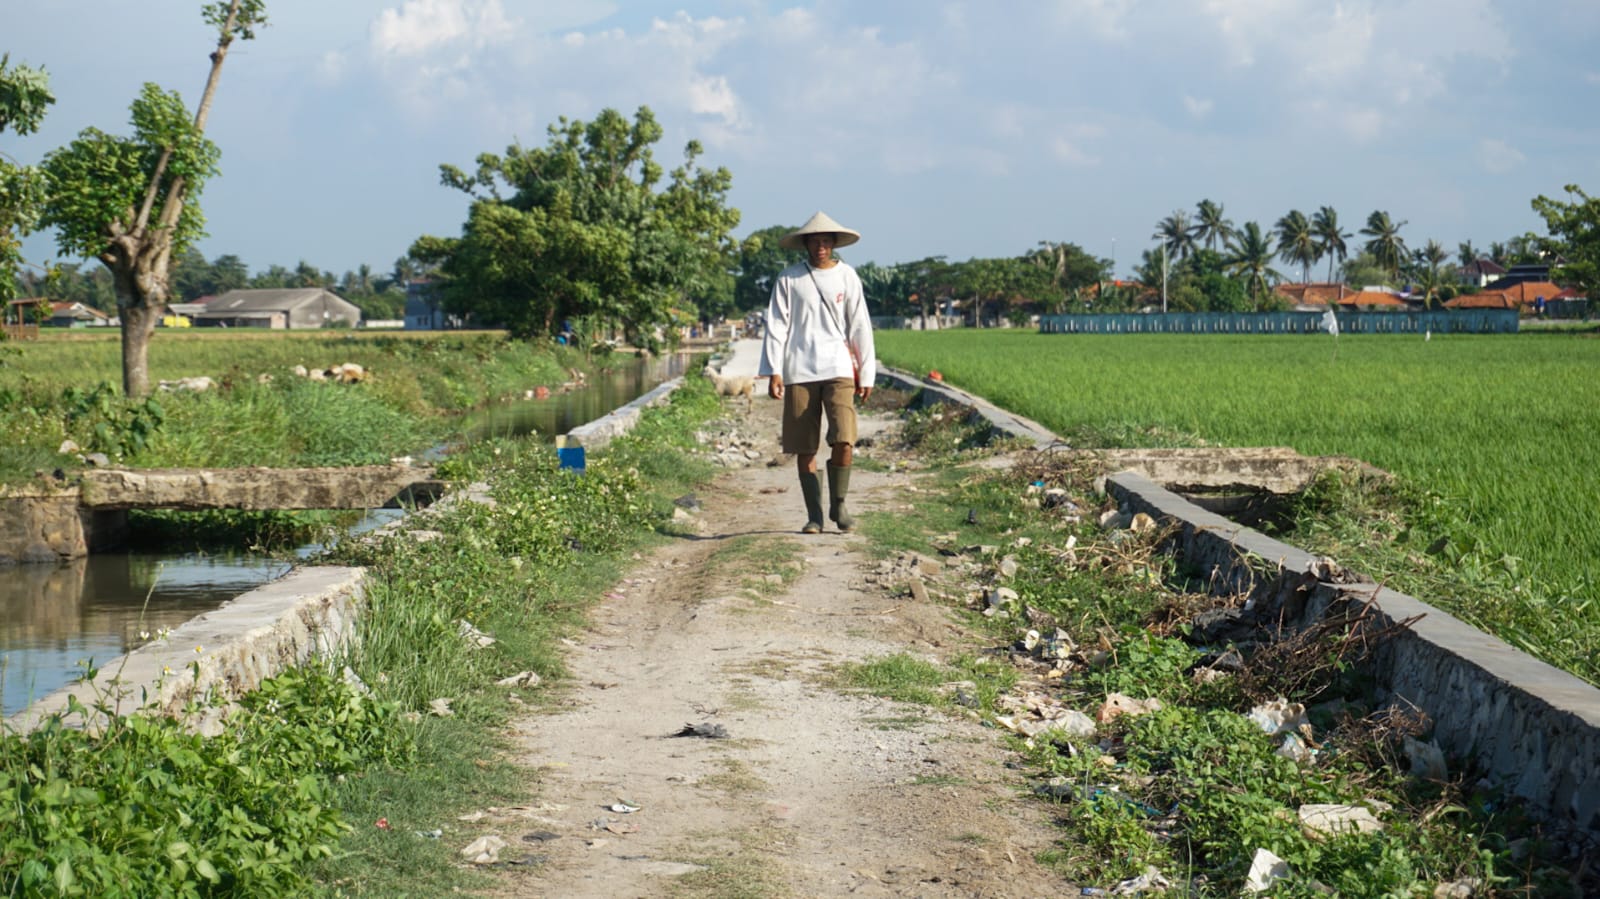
(1163, 277)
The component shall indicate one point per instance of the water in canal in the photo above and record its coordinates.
(54, 618)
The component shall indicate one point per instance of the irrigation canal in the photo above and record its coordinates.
(56, 618)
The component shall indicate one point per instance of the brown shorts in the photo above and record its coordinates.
(803, 405)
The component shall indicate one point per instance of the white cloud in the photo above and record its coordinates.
(712, 96)
(1071, 153)
(1498, 157)
(331, 67)
(423, 25)
(1103, 18)
(1197, 107)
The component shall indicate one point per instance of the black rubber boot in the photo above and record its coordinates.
(838, 486)
(811, 490)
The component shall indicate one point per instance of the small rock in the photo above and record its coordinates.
(1325, 819)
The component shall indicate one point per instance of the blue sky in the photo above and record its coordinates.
(962, 129)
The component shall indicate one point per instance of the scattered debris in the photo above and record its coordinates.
(474, 636)
(707, 730)
(1266, 869)
(1322, 819)
(1279, 717)
(484, 850)
(522, 679)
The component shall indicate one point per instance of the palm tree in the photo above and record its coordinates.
(1176, 234)
(1434, 255)
(1498, 253)
(1212, 227)
(1297, 242)
(1330, 237)
(1384, 242)
(1466, 253)
(1250, 257)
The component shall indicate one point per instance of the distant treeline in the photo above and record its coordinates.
(380, 295)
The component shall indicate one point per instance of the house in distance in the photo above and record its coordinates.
(294, 308)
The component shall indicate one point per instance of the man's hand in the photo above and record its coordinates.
(863, 392)
(775, 387)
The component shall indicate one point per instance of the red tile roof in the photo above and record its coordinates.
(1313, 294)
(1371, 298)
(1517, 296)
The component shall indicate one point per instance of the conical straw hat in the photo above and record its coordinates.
(819, 224)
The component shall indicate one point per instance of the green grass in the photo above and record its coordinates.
(1491, 436)
(261, 413)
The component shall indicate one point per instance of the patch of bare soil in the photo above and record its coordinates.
(814, 790)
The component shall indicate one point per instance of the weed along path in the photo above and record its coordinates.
(708, 747)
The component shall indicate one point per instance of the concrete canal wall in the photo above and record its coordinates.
(309, 613)
(1500, 713)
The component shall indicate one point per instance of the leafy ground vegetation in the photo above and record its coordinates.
(332, 780)
(410, 391)
(1487, 436)
(1174, 757)
(328, 780)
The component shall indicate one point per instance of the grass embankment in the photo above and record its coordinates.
(1491, 438)
(1192, 790)
(68, 386)
(322, 786)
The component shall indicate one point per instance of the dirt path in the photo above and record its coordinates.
(815, 791)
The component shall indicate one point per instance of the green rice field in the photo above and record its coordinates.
(1501, 433)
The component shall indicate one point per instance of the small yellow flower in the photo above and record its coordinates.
(199, 649)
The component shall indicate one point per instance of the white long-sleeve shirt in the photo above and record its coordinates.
(805, 342)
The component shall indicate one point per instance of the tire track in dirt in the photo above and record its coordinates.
(815, 791)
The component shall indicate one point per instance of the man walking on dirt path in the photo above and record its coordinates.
(818, 354)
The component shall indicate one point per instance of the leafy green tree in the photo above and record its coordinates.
(307, 275)
(274, 276)
(928, 282)
(1574, 228)
(191, 274)
(758, 263)
(583, 232)
(1364, 270)
(24, 95)
(1211, 227)
(1176, 234)
(129, 201)
(1250, 260)
(1331, 238)
(1068, 266)
(1466, 253)
(1297, 242)
(1201, 283)
(1384, 242)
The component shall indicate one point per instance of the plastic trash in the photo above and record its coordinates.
(484, 850)
(569, 453)
(704, 729)
(1266, 869)
(1279, 716)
